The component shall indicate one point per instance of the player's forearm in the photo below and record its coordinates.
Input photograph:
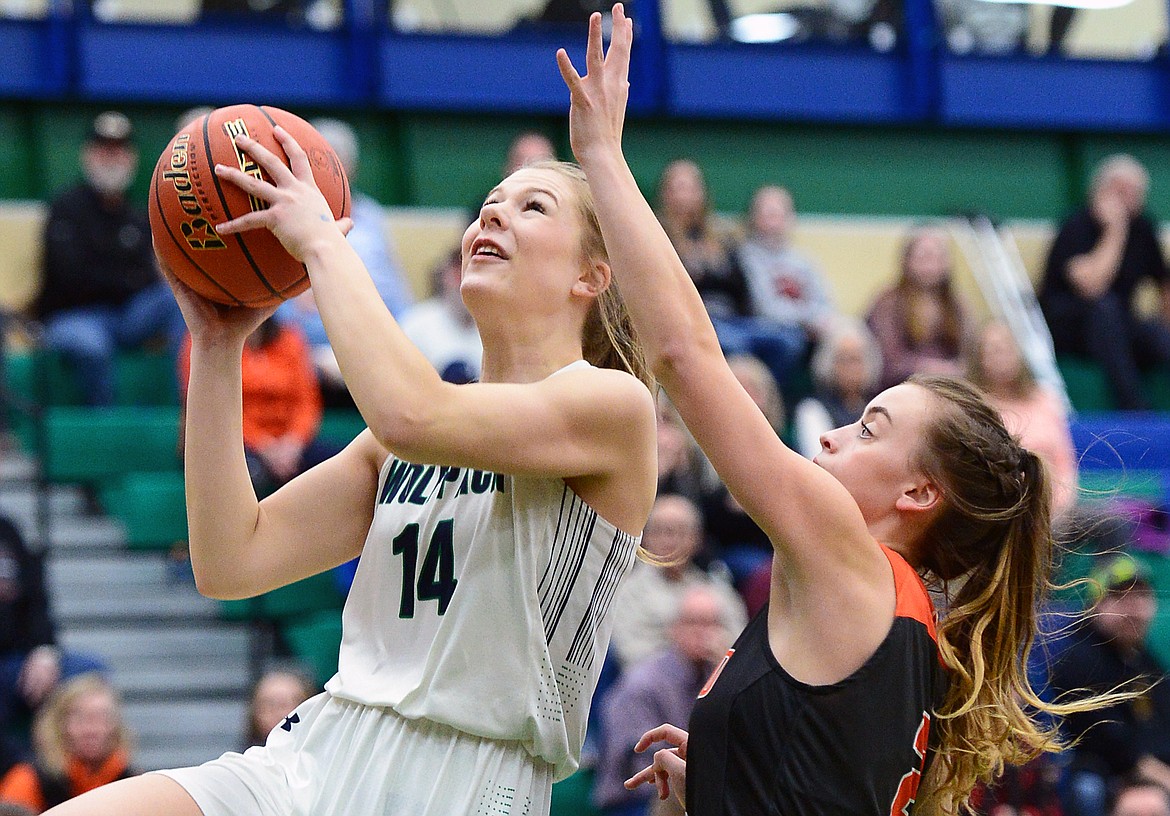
(222, 509)
(392, 383)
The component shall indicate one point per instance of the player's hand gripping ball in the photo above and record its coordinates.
(187, 200)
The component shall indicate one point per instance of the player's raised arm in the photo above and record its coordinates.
(680, 342)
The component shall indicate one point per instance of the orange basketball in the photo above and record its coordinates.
(187, 200)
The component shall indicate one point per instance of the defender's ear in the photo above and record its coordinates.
(919, 498)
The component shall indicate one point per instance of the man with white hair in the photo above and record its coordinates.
(1099, 257)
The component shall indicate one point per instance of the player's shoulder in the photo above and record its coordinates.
(617, 393)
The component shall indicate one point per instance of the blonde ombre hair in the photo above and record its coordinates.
(994, 535)
(609, 339)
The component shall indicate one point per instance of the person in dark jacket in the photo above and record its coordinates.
(1132, 737)
(101, 290)
(1100, 255)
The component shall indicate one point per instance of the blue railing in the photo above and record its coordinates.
(366, 64)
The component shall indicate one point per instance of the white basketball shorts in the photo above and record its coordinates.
(336, 758)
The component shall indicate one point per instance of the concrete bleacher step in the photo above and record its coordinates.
(177, 734)
(21, 500)
(152, 662)
(184, 673)
(134, 604)
(182, 678)
(131, 644)
(75, 573)
(85, 533)
(17, 466)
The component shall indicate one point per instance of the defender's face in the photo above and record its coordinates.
(874, 457)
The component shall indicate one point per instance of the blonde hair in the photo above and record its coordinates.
(995, 535)
(609, 339)
(48, 730)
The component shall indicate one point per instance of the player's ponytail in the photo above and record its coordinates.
(994, 541)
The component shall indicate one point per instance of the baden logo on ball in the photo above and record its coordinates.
(187, 200)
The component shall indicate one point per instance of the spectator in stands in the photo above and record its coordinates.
(1141, 798)
(846, 368)
(101, 290)
(1030, 410)
(528, 147)
(921, 324)
(682, 467)
(1133, 736)
(282, 405)
(685, 213)
(658, 688)
(789, 298)
(275, 695)
(1031, 789)
(31, 664)
(80, 743)
(370, 240)
(735, 536)
(442, 327)
(647, 603)
(1100, 255)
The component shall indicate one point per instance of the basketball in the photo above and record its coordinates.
(187, 200)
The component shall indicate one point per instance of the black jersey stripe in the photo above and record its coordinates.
(575, 548)
(542, 585)
(567, 556)
(574, 514)
(617, 561)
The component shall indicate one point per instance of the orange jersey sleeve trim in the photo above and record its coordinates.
(913, 601)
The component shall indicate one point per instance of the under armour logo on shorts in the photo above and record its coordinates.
(290, 721)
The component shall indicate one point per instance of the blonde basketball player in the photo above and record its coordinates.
(494, 520)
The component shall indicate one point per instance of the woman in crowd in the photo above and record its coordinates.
(921, 324)
(80, 743)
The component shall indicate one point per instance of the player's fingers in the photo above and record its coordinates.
(248, 183)
(248, 221)
(298, 159)
(568, 72)
(277, 170)
(642, 777)
(345, 225)
(663, 733)
(621, 42)
(594, 56)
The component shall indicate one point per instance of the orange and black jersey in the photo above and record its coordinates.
(764, 744)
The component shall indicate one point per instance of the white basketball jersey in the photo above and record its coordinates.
(481, 602)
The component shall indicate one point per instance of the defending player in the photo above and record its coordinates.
(833, 700)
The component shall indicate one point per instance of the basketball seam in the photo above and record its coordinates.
(228, 213)
(264, 110)
(170, 233)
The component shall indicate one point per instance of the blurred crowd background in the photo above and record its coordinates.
(860, 189)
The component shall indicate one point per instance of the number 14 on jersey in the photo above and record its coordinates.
(435, 579)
